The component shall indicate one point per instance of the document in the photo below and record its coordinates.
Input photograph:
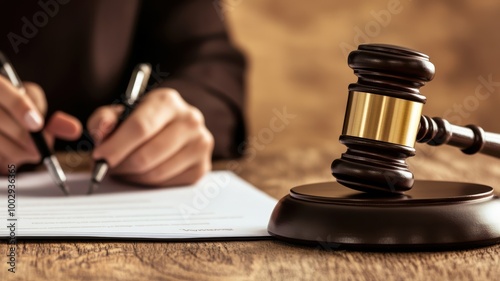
(220, 206)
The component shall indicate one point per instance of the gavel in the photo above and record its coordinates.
(383, 120)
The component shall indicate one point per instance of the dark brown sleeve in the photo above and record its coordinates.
(190, 50)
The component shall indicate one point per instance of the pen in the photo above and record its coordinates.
(48, 157)
(135, 88)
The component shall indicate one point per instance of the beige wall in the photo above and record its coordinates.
(296, 58)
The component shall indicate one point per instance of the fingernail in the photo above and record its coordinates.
(106, 127)
(96, 136)
(99, 133)
(33, 120)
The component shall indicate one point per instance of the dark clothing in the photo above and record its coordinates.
(82, 54)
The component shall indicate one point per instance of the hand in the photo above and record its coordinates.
(21, 112)
(164, 141)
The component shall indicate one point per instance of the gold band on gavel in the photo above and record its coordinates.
(382, 118)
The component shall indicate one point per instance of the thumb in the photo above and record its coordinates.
(102, 121)
(64, 126)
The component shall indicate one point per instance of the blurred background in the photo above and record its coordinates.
(297, 53)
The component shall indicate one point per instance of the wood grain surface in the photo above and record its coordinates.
(297, 67)
(274, 170)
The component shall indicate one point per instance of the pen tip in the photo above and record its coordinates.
(93, 186)
(100, 170)
(64, 187)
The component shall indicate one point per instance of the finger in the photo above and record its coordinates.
(64, 126)
(102, 121)
(37, 96)
(195, 153)
(13, 154)
(16, 134)
(154, 112)
(19, 106)
(155, 151)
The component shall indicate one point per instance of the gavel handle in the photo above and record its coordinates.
(470, 139)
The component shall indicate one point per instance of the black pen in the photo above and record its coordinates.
(136, 87)
(48, 157)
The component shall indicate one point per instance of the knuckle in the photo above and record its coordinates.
(168, 96)
(140, 126)
(194, 118)
(204, 145)
(139, 163)
(197, 115)
(207, 140)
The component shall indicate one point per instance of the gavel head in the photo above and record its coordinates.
(382, 118)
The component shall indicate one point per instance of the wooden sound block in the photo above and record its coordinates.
(431, 216)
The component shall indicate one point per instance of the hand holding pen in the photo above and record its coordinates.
(136, 87)
(163, 141)
(21, 138)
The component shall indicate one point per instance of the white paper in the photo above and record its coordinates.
(221, 205)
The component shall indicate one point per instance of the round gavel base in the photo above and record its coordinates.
(431, 216)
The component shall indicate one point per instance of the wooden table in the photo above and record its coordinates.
(274, 169)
